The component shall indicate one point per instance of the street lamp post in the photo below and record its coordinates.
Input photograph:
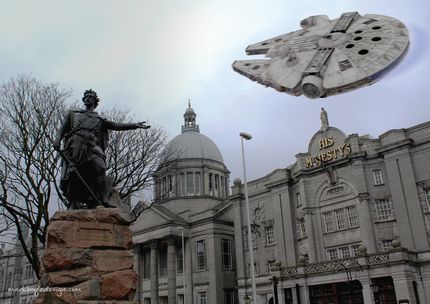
(180, 228)
(248, 136)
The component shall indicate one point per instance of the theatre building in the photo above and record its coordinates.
(184, 243)
(348, 222)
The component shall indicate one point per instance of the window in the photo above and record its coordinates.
(170, 184)
(301, 229)
(384, 209)
(255, 269)
(163, 261)
(211, 183)
(352, 216)
(270, 265)
(182, 184)
(167, 186)
(328, 220)
(201, 255)
(181, 299)
(146, 263)
(288, 294)
(354, 249)
(202, 298)
(179, 259)
(190, 184)
(197, 183)
(344, 252)
(337, 219)
(28, 272)
(226, 254)
(332, 254)
(164, 187)
(216, 185)
(229, 296)
(270, 235)
(386, 245)
(299, 199)
(340, 219)
(377, 177)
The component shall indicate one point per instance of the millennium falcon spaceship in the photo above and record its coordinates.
(328, 57)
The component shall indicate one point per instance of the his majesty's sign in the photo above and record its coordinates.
(328, 151)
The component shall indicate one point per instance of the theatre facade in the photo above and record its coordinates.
(348, 222)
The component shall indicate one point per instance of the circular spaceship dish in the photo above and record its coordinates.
(328, 57)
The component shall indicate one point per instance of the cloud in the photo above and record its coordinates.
(151, 56)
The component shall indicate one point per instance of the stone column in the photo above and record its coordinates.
(406, 202)
(366, 223)
(188, 272)
(367, 290)
(404, 288)
(171, 270)
(154, 272)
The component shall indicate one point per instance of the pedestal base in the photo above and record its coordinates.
(88, 259)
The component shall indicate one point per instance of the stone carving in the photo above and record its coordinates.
(324, 120)
(338, 190)
(85, 134)
(258, 216)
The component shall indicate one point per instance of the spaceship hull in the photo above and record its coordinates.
(328, 57)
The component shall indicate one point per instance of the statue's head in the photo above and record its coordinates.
(91, 97)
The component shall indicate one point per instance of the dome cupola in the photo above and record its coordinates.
(190, 120)
(191, 144)
(198, 168)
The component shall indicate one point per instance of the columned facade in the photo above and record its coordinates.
(192, 206)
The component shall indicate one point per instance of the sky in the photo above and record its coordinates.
(151, 56)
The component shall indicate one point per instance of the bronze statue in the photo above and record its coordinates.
(85, 133)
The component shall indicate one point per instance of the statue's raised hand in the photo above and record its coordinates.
(142, 125)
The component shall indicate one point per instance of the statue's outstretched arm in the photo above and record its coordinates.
(125, 126)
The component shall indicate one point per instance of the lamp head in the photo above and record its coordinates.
(245, 135)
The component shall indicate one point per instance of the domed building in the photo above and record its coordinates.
(187, 236)
(195, 169)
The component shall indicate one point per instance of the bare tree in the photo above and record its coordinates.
(28, 164)
(29, 167)
(133, 157)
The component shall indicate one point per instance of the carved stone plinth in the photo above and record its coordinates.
(88, 259)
